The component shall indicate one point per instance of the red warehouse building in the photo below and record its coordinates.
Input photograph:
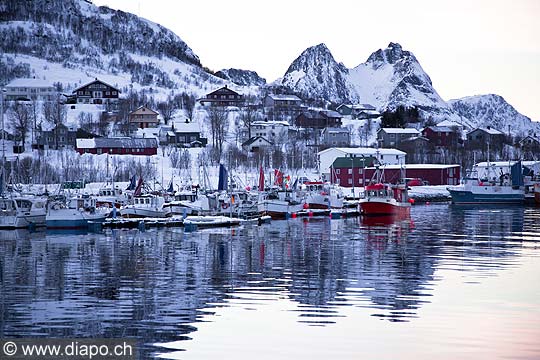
(118, 146)
(431, 174)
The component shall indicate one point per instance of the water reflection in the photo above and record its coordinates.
(155, 285)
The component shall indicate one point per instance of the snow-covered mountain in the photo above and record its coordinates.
(389, 78)
(242, 77)
(493, 110)
(83, 41)
(316, 74)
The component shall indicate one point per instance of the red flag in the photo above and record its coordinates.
(261, 179)
(279, 177)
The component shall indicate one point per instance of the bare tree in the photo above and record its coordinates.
(20, 116)
(188, 104)
(248, 116)
(55, 113)
(218, 127)
(167, 109)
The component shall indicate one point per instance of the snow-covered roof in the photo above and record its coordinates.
(399, 130)
(490, 131)
(170, 133)
(148, 133)
(364, 151)
(331, 114)
(449, 124)
(336, 130)
(268, 123)
(182, 126)
(124, 142)
(440, 128)
(86, 143)
(284, 97)
(94, 81)
(420, 166)
(26, 82)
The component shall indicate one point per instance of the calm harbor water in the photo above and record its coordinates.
(449, 283)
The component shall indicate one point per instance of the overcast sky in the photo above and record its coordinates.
(467, 47)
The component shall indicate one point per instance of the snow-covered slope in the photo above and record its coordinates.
(493, 110)
(89, 41)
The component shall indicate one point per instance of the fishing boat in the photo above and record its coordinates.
(506, 188)
(79, 212)
(111, 197)
(187, 201)
(147, 205)
(22, 212)
(281, 204)
(320, 195)
(385, 199)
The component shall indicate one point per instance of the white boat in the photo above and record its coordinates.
(321, 195)
(145, 206)
(22, 212)
(77, 213)
(111, 197)
(210, 221)
(281, 204)
(238, 203)
(187, 202)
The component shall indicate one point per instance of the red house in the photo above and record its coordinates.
(440, 135)
(432, 174)
(118, 146)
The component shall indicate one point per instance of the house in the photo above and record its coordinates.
(452, 125)
(441, 135)
(282, 107)
(485, 136)
(416, 148)
(270, 130)
(30, 89)
(529, 142)
(143, 117)
(387, 137)
(350, 171)
(336, 137)
(223, 97)
(256, 143)
(318, 119)
(96, 92)
(185, 134)
(384, 156)
(358, 111)
(118, 146)
(433, 174)
(60, 137)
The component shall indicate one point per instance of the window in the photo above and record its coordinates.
(338, 171)
(349, 171)
(99, 151)
(114, 93)
(349, 181)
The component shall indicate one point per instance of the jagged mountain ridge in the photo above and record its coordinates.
(241, 77)
(493, 110)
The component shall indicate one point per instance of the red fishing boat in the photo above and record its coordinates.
(385, 199)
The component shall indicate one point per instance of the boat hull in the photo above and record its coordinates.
(21, 221)
(142, 212)
(469, 197)
(384, 207)
(72, 219)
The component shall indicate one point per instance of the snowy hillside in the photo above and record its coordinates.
(493, 110)
(81, 41)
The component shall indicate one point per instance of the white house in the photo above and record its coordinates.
(30, 89)
(270, 130)
(384, 156)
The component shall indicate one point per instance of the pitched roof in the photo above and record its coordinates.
(223, 91)
(144, 108)
(284, 97)
(95, 81)
(253, 139)
(355, 161)
(399, 130)
(336, 130)
(440, 129)
(488, 130)
(330, 114)
(364, 151)
(29, 82)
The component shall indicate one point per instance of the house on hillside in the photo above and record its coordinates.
(483, 136)
(336, 137)
(318, 119)
(387, 137)
(270, 130)
(441, 135)
(143, 117)
(256, 143)
(118, 146)
(282, 107)
(223, 97)
(184, 134)
(59, 137)
(30, 89)
(96, 92)
(529, 142)
(358, 111)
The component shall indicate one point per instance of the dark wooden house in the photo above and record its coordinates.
(223, 97)
(96, 92)
(318, 119)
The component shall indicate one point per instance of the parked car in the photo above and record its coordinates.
(414, 182)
